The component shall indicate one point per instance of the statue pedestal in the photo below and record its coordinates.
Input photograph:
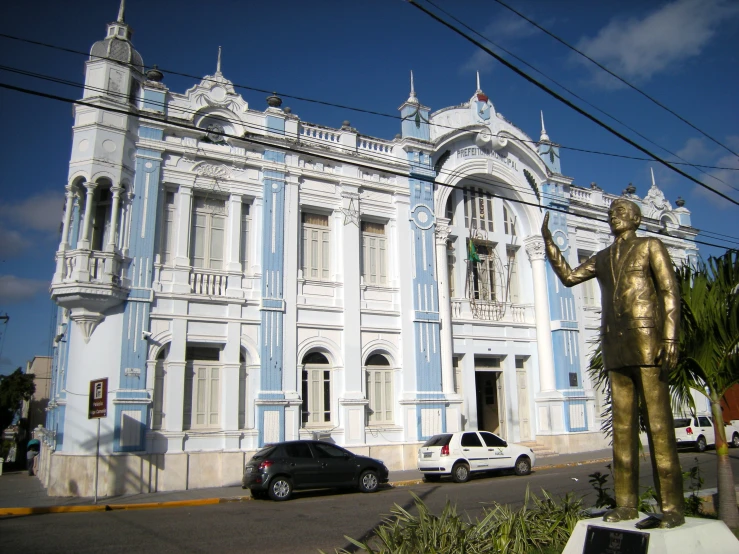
(595, 536)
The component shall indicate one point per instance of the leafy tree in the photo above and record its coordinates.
(709, 354)
(14, 388)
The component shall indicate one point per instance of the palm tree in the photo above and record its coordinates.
(709, 354)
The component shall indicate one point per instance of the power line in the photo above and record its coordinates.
(371, 112)
(574, 94)
(570, 104)
(624, 81)
(268, 144)
(303, 140)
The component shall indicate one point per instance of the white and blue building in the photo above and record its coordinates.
(241, 276)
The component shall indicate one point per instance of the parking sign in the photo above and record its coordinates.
(98, 404)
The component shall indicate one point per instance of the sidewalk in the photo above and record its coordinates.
(19, 491)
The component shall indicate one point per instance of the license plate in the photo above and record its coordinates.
(427, 454)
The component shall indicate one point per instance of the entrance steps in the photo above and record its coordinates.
(540, 450)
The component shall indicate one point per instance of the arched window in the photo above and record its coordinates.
(379, 389)
(316, 408)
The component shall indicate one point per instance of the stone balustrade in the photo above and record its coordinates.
(208, 282)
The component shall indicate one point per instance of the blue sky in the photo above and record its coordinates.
(684, 53)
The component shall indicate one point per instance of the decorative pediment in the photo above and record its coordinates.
(214, 92)
(655, 203)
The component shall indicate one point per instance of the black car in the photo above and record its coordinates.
(279, 468)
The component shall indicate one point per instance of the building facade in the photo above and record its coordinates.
(241, 277)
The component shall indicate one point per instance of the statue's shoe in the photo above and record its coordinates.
(621, 513)
(671, 519)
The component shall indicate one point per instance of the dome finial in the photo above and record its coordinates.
(412, 98)
(544, 136)
(122, 12)
(218, 63)
(479, 90)
(654, 184)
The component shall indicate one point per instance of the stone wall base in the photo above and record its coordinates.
(66, 474)
(573, 443)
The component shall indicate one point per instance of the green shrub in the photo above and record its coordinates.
(541, 525)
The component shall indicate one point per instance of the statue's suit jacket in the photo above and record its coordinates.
(639, 294)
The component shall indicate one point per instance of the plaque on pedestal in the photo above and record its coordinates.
(696, 535)
(602, 540)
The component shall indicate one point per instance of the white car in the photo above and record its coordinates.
(461, 454)
(699, 432)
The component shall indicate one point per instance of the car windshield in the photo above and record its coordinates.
(438, 440)
(682, 422)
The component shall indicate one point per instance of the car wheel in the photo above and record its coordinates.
(461, 472)
(700, 444)
(368, 481)
(735, 440)
(280, 488)
(523, 466)
(431, 478)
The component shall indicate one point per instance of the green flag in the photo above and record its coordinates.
(473, 257)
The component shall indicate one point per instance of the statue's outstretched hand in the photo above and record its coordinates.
(545, 228)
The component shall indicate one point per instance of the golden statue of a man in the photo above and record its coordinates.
(639, 332)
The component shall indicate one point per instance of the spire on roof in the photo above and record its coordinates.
(218, 63)
(654, 184)
(412, 98)
(122, 12)
(544, 136)
(479, 90)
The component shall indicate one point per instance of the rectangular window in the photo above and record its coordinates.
(166, 238)
(208, 232)
(509, 221)
(202, 394)
(513, 284)
(478, 209)
(244, 245)
(588, 287)
(484, 280)
(374, 253)
(316, 247)
(316, 396)
(380, 395)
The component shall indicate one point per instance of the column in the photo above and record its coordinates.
(233, 260)
(114, 212)
(89, 209)
(181, 273)
(233, 247)
(350, 266)
(535, 250)
(175, 388)
(255, 236)
(445, 312)
(60, 257)
(230, 386)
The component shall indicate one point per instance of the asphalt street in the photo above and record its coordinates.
(309, 522)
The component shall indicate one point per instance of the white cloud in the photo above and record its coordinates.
(12, 243)
(639, 48)
(700, 150)
(42, 212)
(18, 289)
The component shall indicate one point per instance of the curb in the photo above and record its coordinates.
(40, 510)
